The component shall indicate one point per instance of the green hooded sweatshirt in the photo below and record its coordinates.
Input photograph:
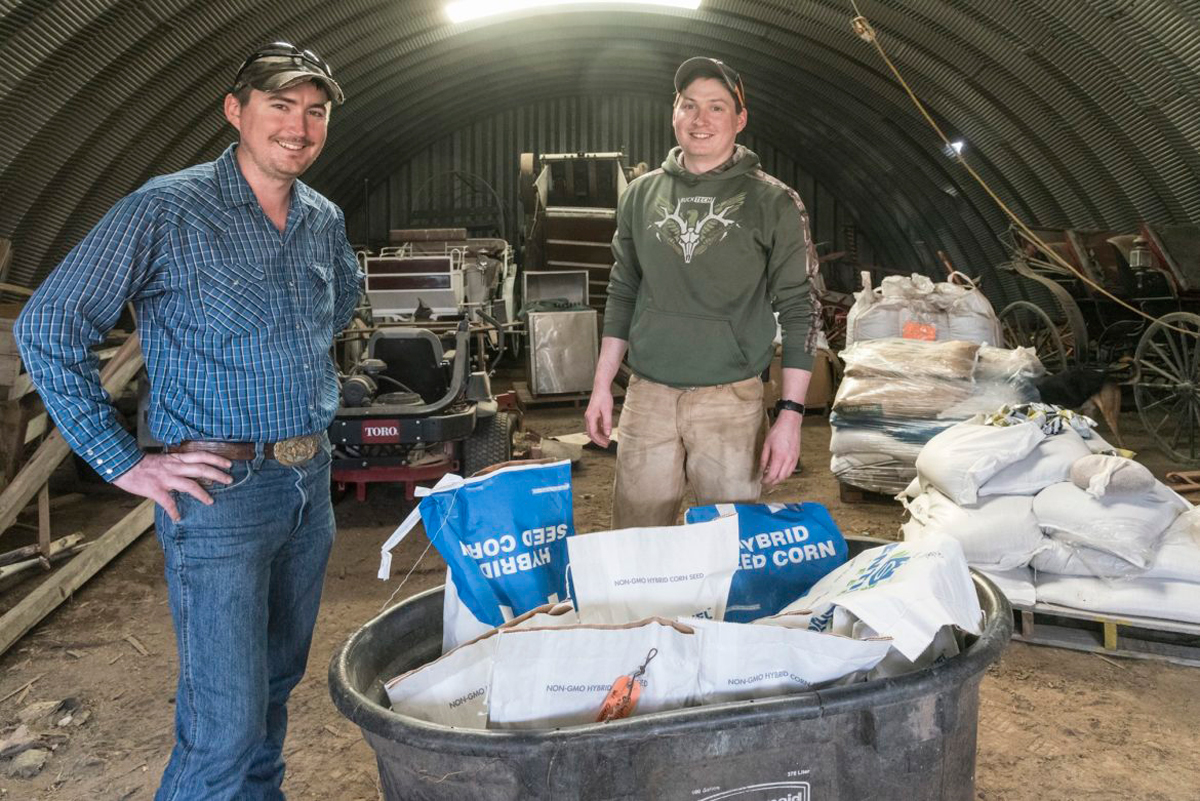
(700, 263)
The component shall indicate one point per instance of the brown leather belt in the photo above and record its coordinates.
(291, 451)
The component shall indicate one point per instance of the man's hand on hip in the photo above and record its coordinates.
(781, 450)
(156, 475)
(599, 416)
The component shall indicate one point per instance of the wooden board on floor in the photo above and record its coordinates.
(1126, 636)
(526, 399)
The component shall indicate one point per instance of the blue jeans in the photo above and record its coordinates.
(244, 578)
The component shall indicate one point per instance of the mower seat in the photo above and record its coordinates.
(414, 357)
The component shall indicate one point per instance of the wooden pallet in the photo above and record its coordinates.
(852, 494)
(526, 399)
(1132, 637)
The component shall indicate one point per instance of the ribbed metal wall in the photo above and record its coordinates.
(1081, 113)
(640, 127)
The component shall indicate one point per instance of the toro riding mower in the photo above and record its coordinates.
(412, 411)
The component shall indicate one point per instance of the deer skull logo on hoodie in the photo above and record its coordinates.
(696, 223)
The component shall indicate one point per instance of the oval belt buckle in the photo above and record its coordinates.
(296, 450)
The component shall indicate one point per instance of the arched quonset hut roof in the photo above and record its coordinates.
(1080, 113)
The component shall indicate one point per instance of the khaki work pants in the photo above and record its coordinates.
(710, 437)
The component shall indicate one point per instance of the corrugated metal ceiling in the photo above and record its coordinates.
(1078, 112)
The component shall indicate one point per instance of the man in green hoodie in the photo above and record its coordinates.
(707, 247)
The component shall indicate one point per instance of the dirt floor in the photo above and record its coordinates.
(1053, 724)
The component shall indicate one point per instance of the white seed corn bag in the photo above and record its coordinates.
(999, 533)
(739, 661)
(1049, 463)
(906, 591)
(459, 624)
(1127, 526)
(962, 458)
(545, 678)
(1016, 585)
(451, 690)
(673, 571)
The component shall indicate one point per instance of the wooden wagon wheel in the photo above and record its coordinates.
(1026, 325)
(1167, 390)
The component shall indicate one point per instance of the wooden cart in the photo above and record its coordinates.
(1155, 270)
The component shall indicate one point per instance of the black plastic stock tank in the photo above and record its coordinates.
(909, 738)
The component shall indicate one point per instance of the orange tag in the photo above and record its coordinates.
(925, 331)
(621, 700)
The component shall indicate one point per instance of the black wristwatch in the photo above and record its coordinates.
(789, 406)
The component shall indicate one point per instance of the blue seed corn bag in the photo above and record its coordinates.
(503, 536)
(786, 548)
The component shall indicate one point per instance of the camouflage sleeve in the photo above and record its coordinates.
(626, 275)
(791, 276)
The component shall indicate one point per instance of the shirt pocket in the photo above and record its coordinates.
(235, 297)
(323, 290)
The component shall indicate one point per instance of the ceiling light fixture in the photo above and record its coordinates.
(466, 10)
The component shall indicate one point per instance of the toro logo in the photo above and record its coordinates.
(381, 431)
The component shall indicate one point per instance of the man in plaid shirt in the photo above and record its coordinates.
(240, 276)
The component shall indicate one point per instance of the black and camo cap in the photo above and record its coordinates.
(280, 65)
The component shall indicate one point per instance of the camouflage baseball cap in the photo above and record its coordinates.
(282, 64)
(705, 67)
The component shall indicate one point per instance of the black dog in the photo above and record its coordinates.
(1087, 389)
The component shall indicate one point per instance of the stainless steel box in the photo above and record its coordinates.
(571, 285)
(563, 346)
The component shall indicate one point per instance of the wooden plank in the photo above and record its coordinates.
(1156, 624)
(44, 519)
(1171, 641)
(848, 493)
(15, 418)
(31, 551)
(59, 587)
(56, 551)
(1110, 635)
(116, 374)
(24, 291)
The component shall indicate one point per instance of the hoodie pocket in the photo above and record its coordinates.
(687, 348)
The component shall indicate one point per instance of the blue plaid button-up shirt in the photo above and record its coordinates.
(236, 319)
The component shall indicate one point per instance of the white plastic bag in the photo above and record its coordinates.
(673, 571)
(954, 312)
(999, 533)
(544, 678)
(451, 690)
(1177, 559)
(943, 646)
(971, 316)
(1049, 463)
(906, 591)
(965, 456)
(740, 661)
(1130, 527)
